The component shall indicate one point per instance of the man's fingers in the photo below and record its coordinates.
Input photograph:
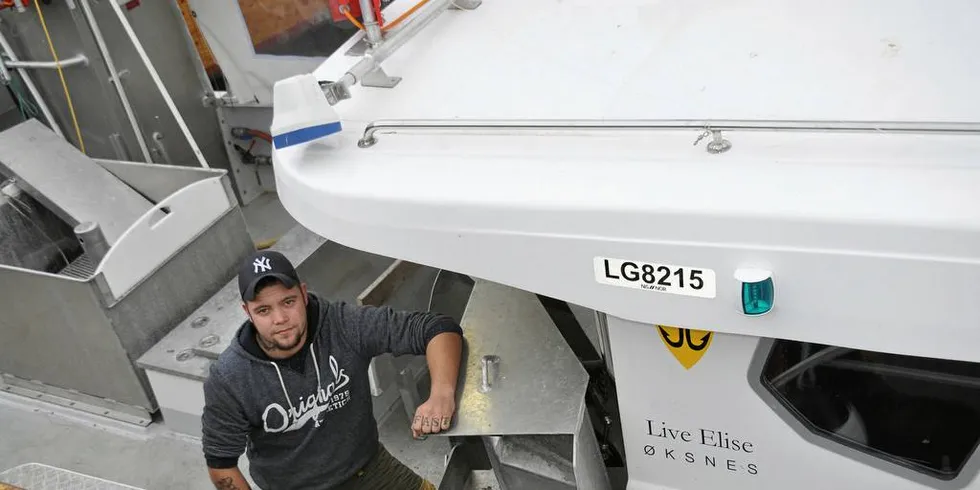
(430, 418)
(417, 425)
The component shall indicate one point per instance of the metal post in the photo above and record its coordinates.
(371, 26)
(93, 242)
(602, 328)
(370, 64)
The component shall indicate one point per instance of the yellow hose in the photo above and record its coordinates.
(64, 84)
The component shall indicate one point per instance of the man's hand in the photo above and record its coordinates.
(435, 415)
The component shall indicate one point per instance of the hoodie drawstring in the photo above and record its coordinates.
(319, 385)
(316, 365)
(283, 384)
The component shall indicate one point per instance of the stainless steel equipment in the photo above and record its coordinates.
(522, 400)
(72, 327)
(120, 112)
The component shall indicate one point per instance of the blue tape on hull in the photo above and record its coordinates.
(306, 134)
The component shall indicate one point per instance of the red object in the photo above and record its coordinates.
(6, 4)
(355, 9)
(132, 4)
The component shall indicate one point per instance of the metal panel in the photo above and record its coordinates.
(156, 182)
(250, 178)
(537, 387)
(589, 470)
(55, 331)
(76, 401)
(97, 104)
(164, 37)
(36, 476)
(67, 182)
(175, 290)
(539, 462)
(94, 100)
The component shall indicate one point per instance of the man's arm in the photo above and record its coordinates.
(228, 479)
(376, 330)
(224, 430)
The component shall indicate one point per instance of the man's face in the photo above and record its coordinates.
(279, 315)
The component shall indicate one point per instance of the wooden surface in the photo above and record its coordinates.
(207, 58)
(266, 21)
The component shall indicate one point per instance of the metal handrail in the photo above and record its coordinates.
(79, 59)
(391, 126)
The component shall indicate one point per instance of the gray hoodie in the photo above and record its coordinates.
(307, 422)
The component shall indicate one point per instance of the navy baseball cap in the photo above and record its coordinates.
(263, 264)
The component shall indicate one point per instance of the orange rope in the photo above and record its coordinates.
(346, 11)
(404, 16)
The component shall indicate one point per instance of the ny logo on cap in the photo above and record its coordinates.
(261, 264)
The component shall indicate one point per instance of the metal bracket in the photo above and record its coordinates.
(359, 49)
(465, 4)
(378, 78)
(219, 99)
(718, 143)
(335, 92)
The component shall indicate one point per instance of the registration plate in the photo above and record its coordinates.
(656, 277)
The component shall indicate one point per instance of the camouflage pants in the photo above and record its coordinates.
(384, 472)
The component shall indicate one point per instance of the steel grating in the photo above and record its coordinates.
(36, 476)
(80, 268)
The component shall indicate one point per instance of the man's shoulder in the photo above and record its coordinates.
(228, 367)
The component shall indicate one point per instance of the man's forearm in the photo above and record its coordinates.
(228, 479)
(443, 357)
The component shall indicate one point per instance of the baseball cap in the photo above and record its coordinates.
(263, 264)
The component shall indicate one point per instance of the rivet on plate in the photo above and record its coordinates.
(185, 355)
(209, 341)
(200, 322)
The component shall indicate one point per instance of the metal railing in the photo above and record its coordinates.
(707, 127)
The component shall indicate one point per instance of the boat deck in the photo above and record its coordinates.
(46, 442)
(153, 457)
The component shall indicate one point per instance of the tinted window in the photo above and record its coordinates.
(916, 412)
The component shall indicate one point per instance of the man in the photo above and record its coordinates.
(293, 389)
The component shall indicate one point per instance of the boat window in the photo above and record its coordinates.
(310, 28)
(920, 413)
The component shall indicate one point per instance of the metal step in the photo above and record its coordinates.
(80, 268)
(35, 476)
